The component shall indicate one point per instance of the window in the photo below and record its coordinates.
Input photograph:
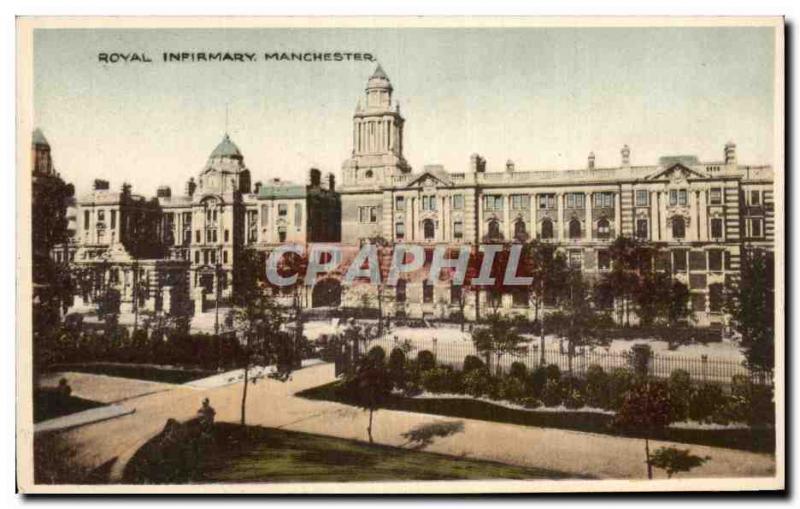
(455, 293)
(428, 203)
(252, 226)
(428, 229)
(716, 228)
(494, 230)
(197, 257)
(697, 281)
(698, 301)
(197, 236)
(715, 196)
(520, 201)
(678, 227)
(283, 209)
(114, 219)
(603, 260)
(400, 291)
(282, 234)
(642, 230)
(682, 197)
(368, 214)
(755, 197)
(458, 201)
(458, 230)
(427, 292)
(576, 258)
(679, 260)
(715, 297)
(400, 230)
(574, 229)
(575, 200)
(520, 232)
(225, 257)
(697, 261)
(264, 215)
(400, 203)
(604, 200)
(603, 229)
(547, 229)
(493, 202)
(547, 201)
(642, 197)
(756, 228)
(715, 260)
(673, 197)
(86, 220)
(101, 215)
(298, 215)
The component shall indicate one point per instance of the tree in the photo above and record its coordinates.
(371, 385)
(548, 268)
(500, 336)
(622, 281)
(579, 324)
(645, 408)
(673, 460)
(751, 303)
(384, 254)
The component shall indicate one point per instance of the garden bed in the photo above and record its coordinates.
(749, 439)
(50, 403)
(150, 372)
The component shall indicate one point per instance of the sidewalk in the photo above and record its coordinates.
(272, 403)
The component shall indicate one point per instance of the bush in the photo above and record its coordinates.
(441, 380)
(376, 355)
(511, 388)
(573, 399)
(620, 381)
(538, 379)
(518, 370)
(680, 393)
(426, 360)
(530, 402)
(751, 403)
(471, 362)
(706, 401)
(553, 372)
(596, 387)
(552, 393)
(478, 383)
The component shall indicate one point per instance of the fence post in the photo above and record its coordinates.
(641, 359)
(536, 359)
(435, 353)
(704, 361)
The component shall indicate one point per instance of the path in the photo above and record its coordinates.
(272, 403)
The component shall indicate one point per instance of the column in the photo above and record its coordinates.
(662, 215)
(588, 205)
(654, 228)
(507, 216)
(560, 222)
(479, 226)
(692, 233)
(703, 214)
(617, 213)
(445, 221)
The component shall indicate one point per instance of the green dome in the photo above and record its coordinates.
(226, 148)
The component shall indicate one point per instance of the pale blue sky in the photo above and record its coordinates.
(543, 97)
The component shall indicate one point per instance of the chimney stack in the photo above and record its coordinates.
(626, 155)
(591, 161)
(510, 166)
(331, 182)
(314, 177)
(190, 187)
(257, 187)
(163, 192)
(730, 153)
(477, 163)
(100, 185)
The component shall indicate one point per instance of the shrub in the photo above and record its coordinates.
(518, 370)
(705, 402)
(553, 372)
(620, 381)
(680, 393)
(376, 355)
(397, 368)
(530, 402)
(596, 387)
(511, 388)
(751, 403)
(573, 399)
(441, 380)
(552, 393)
(478, 382)
(537, 380)
(472, 362)
(426, 360)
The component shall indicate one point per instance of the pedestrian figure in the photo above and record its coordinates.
(206, 414)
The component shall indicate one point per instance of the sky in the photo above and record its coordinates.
(543, 97)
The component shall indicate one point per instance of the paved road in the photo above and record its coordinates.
(272, 403)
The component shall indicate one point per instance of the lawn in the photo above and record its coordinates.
(153, 373)
(257, 454)
(753, 439)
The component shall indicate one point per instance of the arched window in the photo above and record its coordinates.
(574, 229)
(368, 174)
(494, 230)
(547, 229)
(603, 229)
(428, 229)
(678, 227)
(520, 232)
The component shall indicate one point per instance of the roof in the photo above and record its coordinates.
(226, 148)
(379, 73)
(38, 137)
(282, 191)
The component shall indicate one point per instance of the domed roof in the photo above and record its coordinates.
(226, 148)
(379, 79)
(38, 137)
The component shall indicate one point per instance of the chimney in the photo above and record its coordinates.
(626, 155)
(190, 187)
(257, 187)
(331, 182)
(100, 185)
(590, 164)
(126, 188)
(730, 153)
(510, 166)
(163, 192)
(314, 177)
